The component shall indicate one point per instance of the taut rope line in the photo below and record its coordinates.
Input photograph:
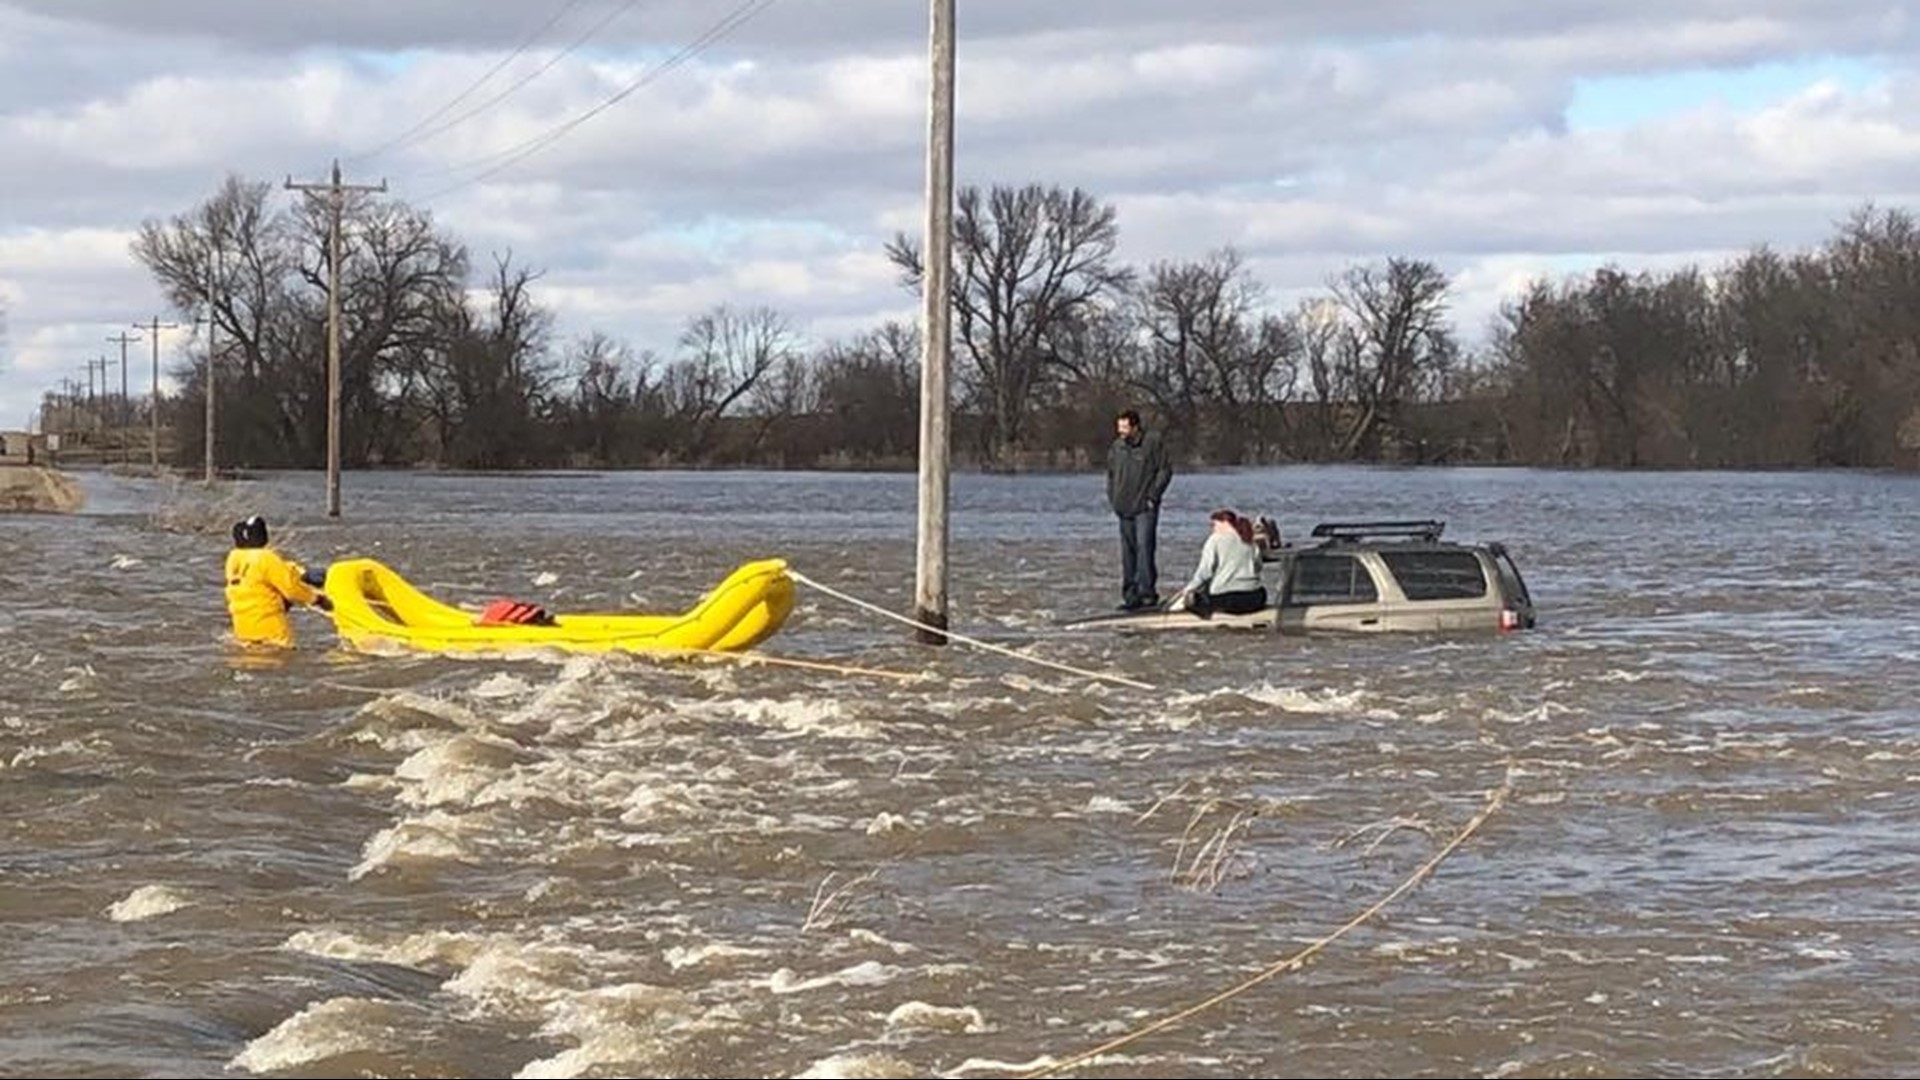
(1100, 676)
(1292, 963)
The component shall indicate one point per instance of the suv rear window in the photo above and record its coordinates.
(1437, 575)
(1330, 579)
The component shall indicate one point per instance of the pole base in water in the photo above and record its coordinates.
(932, 624)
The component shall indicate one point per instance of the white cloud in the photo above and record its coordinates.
(772, 169)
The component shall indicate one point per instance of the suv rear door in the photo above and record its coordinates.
(1329, 590)
(1513, 587)
(1442, 587)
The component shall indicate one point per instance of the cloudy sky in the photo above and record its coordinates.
(1503, 139)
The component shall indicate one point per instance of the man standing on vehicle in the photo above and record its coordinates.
(1137, 477)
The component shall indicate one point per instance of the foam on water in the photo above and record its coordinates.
(857, 1066)
(325, 1029)
(630, 1025)
(148, 901)
(864, 973)
(954, 1019)
(417, 841)
(693, 956)
(517, 976)
(427, 950)
(462, 769)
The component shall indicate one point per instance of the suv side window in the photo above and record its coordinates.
(1437, 575)
(1322, 578)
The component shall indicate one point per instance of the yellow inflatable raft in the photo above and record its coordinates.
(373, 605)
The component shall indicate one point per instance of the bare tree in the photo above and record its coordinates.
(616, 412)
(402, 296)
(484, 378)
(724, 353)
(1214, 360)
(1399, 346)
(233, 259)
(1030, 261)
(1872, 375)
(869, 388)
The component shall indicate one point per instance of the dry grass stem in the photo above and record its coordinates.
(1162, 801)
(1218, 856)
(1381, 830)
(829, 907)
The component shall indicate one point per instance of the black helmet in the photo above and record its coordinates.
(251, 533)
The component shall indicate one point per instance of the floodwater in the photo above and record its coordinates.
(1703, 772)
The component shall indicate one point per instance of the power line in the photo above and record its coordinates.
(471, 87)
(515, 154)
(489, 103)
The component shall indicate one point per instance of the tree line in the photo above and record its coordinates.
(1771, 359)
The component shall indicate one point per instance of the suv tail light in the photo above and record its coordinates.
(1509, 620)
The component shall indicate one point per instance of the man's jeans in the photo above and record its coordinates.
(1139, 585)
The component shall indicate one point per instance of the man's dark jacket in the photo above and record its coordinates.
(1137, 474)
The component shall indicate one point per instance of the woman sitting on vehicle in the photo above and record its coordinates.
(1228, 577)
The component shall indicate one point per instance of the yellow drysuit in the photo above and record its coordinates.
(261, 585)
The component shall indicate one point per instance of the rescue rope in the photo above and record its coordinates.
(1299, 959)
(1099, 676)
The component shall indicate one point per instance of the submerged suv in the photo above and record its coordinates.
(1395, 575)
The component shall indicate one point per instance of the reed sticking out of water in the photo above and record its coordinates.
(1209, 852)
(1382, 830)
(1219, 855)
(829, 907)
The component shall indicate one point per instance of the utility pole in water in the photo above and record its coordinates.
(936, 336)
(215, 266)
(210, 374)
(125, 412)
(336, 200)
(153, 428)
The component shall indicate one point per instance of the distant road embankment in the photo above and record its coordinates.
(36, 490)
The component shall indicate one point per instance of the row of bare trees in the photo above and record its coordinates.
(1772, 360)
(1775, 359)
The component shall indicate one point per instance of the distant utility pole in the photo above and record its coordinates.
(214, 268)
(208, 320)
(336, 199)
(153, 329)
(936, 338)
(125, 410)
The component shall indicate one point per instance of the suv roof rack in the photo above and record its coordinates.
(1428, 531)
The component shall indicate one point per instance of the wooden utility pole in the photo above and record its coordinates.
(208, 477)
(153, 428)
(214, 268)
(936, 336)
(125, 412)
(336, 199)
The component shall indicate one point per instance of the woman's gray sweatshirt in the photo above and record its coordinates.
(1227, 564)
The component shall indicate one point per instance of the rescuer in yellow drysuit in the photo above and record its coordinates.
(262, 585)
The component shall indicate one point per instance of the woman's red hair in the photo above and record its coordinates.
(1240, 525)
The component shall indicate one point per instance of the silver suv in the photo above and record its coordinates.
(1367, 576)
(1396, 575)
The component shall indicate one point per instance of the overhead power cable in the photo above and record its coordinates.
(471, 87)
(495, 162)
(422, 132)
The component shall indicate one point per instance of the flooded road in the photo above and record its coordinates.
(330, 864)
